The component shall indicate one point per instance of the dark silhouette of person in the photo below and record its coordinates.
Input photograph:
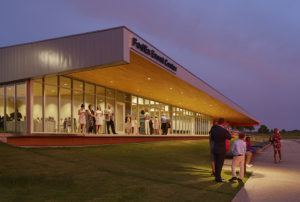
(219, 135)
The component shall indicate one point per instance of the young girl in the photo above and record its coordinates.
(81, 119)
(135, 127)
(275, 139)
(99, 119)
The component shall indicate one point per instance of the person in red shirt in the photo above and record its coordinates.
(275, 139)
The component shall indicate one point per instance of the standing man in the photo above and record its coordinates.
(219, 135)
(109, 119)
(211, 149)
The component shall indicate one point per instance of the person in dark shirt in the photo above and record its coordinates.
(151, 126)
(219, 135)
(211, 146)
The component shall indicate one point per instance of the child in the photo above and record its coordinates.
(135, 127)
(238, 150)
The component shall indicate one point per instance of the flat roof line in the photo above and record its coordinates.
(62, 37)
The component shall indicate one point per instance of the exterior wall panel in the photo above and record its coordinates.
(62, 55)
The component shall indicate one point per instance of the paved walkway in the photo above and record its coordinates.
(274, 182)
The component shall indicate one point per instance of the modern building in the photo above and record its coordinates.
(43, 84)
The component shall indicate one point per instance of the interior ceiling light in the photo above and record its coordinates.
(149, 78)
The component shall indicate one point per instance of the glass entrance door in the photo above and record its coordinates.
(120, 117)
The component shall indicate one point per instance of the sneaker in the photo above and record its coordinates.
(240, 180)
(221, 180)
(232, 179)
(249, 165)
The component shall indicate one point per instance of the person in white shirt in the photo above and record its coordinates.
(99, 119)
(238, 151)
(147, 120)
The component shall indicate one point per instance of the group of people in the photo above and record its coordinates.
(145, 124)
(93, 120)
(242, 151)
(10, 117)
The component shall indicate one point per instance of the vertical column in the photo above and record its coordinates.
(72, 108)
(29, 107)
(15, 107)
(58, 104)
(43, 104)
(5, 117)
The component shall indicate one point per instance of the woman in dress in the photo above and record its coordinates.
(156, 125)
(81, 119)
(99, 120)
(142, 123)
(91, 118)
(128, 124)
(135, 127)
(275, 139)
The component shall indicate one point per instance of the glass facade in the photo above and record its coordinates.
(13, 108)
(57, 99)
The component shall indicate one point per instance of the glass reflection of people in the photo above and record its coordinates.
(99, 119)
(91, 118)
(275, 139)
(81, 119)
(109, 119)
(128, 124)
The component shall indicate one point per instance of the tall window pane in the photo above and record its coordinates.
(100, 101)
(78, 101)
(51, 108)
(134, 113)
(1, 109)
(37, 106)
(65, 110)
(21, 108)
(89, 94)
(10, 108)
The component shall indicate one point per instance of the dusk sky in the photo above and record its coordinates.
(247, 50)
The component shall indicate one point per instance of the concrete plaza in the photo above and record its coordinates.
(274, 182)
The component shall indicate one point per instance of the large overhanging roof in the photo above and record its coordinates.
(119, 58)
(145, 78)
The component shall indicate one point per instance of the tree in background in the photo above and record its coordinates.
(263, 129)
(283, 131)
(249, 128)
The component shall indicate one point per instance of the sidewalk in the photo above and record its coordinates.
(274, 182)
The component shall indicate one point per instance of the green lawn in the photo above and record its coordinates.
(160, 171)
